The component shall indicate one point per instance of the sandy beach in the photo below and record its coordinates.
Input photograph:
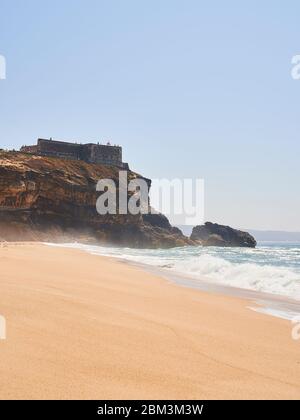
(85, 327)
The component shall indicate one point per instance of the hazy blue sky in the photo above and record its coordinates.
(188, 88)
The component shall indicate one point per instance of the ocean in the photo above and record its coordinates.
(270, 273)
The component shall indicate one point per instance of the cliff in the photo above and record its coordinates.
(212, 234)
(53, 199)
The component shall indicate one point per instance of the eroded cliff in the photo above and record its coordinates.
(52, 199)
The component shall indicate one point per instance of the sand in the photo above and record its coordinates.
(84, 327)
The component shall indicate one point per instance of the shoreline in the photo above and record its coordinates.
(90, 327)
(271, 304)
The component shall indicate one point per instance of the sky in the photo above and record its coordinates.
(190, 89)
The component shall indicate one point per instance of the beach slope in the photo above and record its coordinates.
(84, 327)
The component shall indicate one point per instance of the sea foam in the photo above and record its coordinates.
(273, 268)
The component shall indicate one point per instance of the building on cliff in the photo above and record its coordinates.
(90, 152)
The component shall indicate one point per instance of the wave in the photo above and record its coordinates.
(243, 275)
(270, 270)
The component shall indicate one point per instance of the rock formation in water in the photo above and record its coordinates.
(53, 199)
(212, 234)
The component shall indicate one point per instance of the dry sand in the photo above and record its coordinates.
(81, 326)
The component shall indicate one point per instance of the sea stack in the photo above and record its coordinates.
(212, 234)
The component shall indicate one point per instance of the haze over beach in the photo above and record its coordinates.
(149, 201)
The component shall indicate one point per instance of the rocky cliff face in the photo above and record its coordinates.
(212, 234)
(51, 199)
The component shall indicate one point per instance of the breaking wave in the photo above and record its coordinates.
(271, 268)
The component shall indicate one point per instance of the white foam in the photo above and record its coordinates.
(250, 276)
(204, 264)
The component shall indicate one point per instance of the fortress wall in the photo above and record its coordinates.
(105, 154)
(92, 153)
(59, 149)
(29, 149)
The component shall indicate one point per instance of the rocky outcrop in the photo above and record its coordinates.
(212, 234)
(52, 199)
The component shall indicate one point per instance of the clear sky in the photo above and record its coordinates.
(188, 88)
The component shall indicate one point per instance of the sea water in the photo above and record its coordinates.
(269, 273)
